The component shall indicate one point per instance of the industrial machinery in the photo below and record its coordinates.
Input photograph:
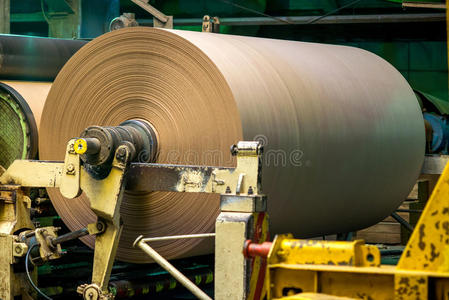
(303, 269)
(347, 128)
(99, 164)
(154, 94)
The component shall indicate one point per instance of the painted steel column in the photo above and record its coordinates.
(231, 268)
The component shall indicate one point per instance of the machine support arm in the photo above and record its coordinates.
(99, 164)
(244, 179)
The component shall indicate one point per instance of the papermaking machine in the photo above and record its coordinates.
(101, 162)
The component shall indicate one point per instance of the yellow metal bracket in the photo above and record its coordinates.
(311, 269)
(105, 199)
(286, 250)
(428, 247)
(70, 176)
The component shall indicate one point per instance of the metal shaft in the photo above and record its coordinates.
(172, 270)
(70, 236)
(304, 20)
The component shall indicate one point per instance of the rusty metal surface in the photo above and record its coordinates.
(163, 177)
(429, 243)
(289, 251)
(343, 131)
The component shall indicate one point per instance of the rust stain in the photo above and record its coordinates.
(446, 227)
(422, 234)
(345, 263)
(433, 254)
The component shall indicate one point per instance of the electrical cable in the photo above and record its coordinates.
(332, 12)
(27, 259)
(255, 11)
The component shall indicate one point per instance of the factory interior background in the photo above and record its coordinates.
(353, 165)
(418, 49)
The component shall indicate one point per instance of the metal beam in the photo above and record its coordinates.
(304, 20)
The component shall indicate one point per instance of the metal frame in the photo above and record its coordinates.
(310, 269)
(242, 204)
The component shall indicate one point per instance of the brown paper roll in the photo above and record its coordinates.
(21, 105)
(34, 93)
(343, 131)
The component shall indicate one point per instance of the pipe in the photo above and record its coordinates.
(176, 237)
(251, 249)
(304, 20)
(409, 210)
(34, 58)
(171, 269)
(403, 222)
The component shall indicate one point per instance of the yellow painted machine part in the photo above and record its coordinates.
(428, 247)
(422, 272)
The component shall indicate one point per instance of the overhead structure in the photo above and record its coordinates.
(343, 132)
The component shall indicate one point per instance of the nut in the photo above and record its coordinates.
(70, 169)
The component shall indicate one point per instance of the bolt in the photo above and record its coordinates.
(121, 153)
(70, 169)
(250, 190)
(100, 226)
(18, 249)
(71, 149)
(234, 150)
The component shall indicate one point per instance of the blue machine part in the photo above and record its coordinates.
(440, 126)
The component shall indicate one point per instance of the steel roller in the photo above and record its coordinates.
(34, 58)
(343, 132)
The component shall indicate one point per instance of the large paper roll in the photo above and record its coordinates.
(34, 93)
(21, 104)
(343, 131)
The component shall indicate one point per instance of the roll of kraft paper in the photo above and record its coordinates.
(21, 104)
(343, 132)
